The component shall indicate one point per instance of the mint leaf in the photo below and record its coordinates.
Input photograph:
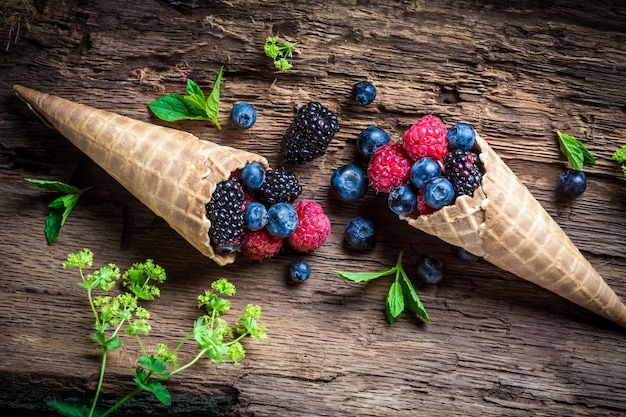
(174, 107)
(54, 186)
(53, 225)
(575, 152)
(411, 299)
(395, 301)
(364, 276)
(213, 102)
(194, 90)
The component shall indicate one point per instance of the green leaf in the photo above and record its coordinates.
(160, 392)
(620, 157)
(194, 90)
(54, 222)
(365, 276)
(54, 186)
(213, 102)
(411, 299)
(575, 152)
(395, 301)
(174, 107)
(154, 365)
(68, 409)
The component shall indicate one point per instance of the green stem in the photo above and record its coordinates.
(180, 345)
(100, 381)
(121, 402)
(188, 364)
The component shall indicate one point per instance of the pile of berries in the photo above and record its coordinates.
(429, 169)
(253, 212)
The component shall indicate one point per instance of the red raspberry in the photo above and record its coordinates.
(248, 197)
(422, 207)
(427, 137)
(313, 227)
(389, 167)
(260, 244)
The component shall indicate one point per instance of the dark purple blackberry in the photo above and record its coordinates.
(464, 171)
(309, 134)
(226, 215)
(280, 186)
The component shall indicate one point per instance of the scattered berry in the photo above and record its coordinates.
(255, 217)
(252, 176)
(572, 183)
(461, 136)
(225, 213)
(424, 170)
(363, 92)
(280, 186)
(243, 115)
(309, 134)
(348, 183)
(360, 233)
(313, 227)
(389, 167)
(463, 171)
(427, 137)
(282, 220)
(299, 270)
(422, 207)
(438, 193)
(259, 244)
(430, 269)
(402, 200)
(370, 139)
(464, 255)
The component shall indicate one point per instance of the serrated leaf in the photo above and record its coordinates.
(68, 409)
(53, 225)
(575, 152)
(174, 107)
(395, 300)
(54, 186)
(412, 300)
(153, 364)
(193, 89)
(213, 102)
(364, 276)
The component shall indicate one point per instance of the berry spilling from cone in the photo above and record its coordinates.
(253, 212)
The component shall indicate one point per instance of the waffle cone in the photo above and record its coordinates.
(508, 227)
(172, 172)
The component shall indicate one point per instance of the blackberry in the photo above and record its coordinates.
(227, 216)
(280, 186)
(309, 134)
(464, 171)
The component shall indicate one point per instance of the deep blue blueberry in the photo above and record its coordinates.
(282, 220)
(361, 233)
(348, 183)
(461, 136)
(429, 269)
(243, 115)
(572, 183)
(363, 92)
(370, 139)
(299, 270)
(255, 217)
(424, 170)
(252, 176)
(438, 192)
(402, 200)
(464, 255)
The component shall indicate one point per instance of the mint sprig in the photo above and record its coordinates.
(61, 207)
(193, 106)
(401, 294)
(575, 152)
(620, 157)
(280, 51)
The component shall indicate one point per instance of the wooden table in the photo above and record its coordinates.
(497, 345)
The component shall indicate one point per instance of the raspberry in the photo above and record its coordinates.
(280, 186)
(260, 244)
(422, 207)
(427, 137)
(309, 134)
(226, 215)
(313, 227)
(389, 167)
(463, 171)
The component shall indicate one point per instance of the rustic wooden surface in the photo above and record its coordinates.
(497, 345)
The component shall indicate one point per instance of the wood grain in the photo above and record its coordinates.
(497, 345)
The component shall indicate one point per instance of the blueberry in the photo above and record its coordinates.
(461, 136)
(464, 255)
(572, 183)
(243, 115)
(438, 193)
(282, 220)
(371, 139)
(255, 216)
(361, 233)
(424, 170)
(429, 269)
(348, 183)
(363, 92)
(299, 270)
(402, 200)
(252, 175)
